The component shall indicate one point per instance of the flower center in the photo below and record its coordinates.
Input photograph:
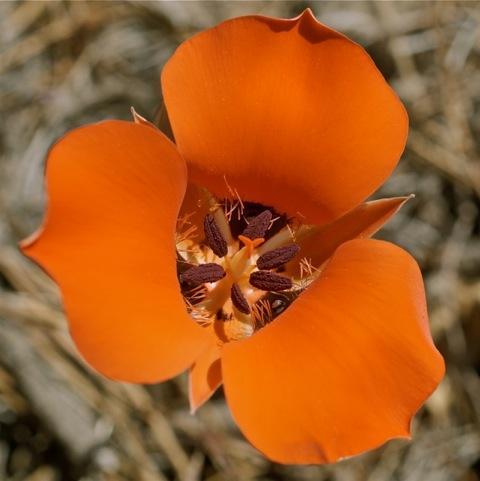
(233, 274)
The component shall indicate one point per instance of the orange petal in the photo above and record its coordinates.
(290, 113)
(362, 222)
(345, 368)
(206, 374)
(114, 191)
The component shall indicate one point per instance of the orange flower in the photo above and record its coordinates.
(319, 334)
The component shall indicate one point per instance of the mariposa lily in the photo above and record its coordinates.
(241, 251)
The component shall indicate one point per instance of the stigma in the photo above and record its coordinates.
(232, 272)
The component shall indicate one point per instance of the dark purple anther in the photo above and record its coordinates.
(277, 257)
(269, 281)
(214, 237)
(197, 275)
(258, 226)
(238, 299)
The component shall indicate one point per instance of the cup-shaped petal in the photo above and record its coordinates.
(108, 240)
(344, 368)
(289, 112)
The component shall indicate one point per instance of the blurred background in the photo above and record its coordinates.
(63, 64)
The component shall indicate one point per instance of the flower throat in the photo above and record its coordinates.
(233, 274)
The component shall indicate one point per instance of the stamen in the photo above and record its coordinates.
(203, 273)
(238, 299)
(248, 236)
(277, 257)
(269, 281)
(220, 218)
(258, 226)
(214, 237)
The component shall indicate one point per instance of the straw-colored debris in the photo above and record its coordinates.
(63, 64)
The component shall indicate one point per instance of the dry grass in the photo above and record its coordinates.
(64, 64)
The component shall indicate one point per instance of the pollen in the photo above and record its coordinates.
(236, 275)
(258, 226)
(213, 237)
(277, 257)
(198, 275)
(239, 300)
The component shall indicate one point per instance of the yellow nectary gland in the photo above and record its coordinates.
(230, 277)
